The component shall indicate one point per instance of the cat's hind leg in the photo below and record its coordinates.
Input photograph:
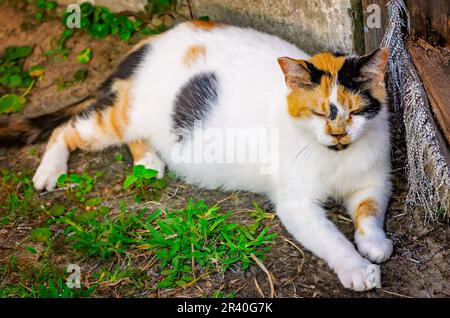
(80, 133)
(103, 125)
(54, 162)
(367, 208)
(143, 154)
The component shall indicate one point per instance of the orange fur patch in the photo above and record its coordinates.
(351, 100)
(100, 121)
(123, 103)
(335, 128)
(193, 53)
(70, 136)
(73, 140)
(138, 149)
(203, 25)
(115, 120)
(117, 115)
(366, 208)
(345, 140)
(109, 123)
(328, 62)
(379, 91)
(302, 102)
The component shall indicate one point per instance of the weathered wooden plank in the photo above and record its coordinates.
(430, 19)
(433, 67)
(373, 36)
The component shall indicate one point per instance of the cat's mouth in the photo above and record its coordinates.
(338, 147)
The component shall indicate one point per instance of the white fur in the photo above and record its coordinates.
(151, 160)
(53, 164)
(252, 93)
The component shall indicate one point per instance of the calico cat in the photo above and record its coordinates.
(328, 112)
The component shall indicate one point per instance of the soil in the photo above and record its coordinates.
(419, 266)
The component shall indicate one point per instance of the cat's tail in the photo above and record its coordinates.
(23, 131)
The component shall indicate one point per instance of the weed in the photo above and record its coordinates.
(17, 197)
(85, 56)
(13, 78)
(60, 290)
(130, 276)
(43, 8)
(146, 184)
(42, 280)
(97, 235)
(119, 157)
(77, 186)
(221, 294)
(198, 234)
(58, 46)
(79, 77)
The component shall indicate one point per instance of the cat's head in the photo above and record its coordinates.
(336, 96)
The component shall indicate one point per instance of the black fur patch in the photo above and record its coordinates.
(126, 68)
(22, 131)
(372, 107)
(350, 71)
(195, 100)
(333, 112)
(349, 75)
(338, 54)
(102, 102)
(315, 73)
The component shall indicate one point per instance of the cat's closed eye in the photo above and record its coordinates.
(318, 114)
(356, 112)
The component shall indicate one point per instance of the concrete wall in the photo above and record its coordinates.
(313, 25)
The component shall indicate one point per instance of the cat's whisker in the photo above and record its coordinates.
(300, 152)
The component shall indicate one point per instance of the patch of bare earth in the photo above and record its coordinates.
(419, 266)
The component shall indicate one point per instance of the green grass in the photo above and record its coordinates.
(132, 277)
(198, 233)
(42, 280)
(187, 244)
(17, 196)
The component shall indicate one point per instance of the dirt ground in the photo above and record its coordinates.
(419, 266)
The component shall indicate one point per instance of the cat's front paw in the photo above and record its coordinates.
(360, 276)
(47, 174)
(376, 247)
(152, 161)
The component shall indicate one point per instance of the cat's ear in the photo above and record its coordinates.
(295, 72)
(373, 66)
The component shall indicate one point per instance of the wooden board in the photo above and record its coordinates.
(430, 19)
(373, 36)
(433, 67)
